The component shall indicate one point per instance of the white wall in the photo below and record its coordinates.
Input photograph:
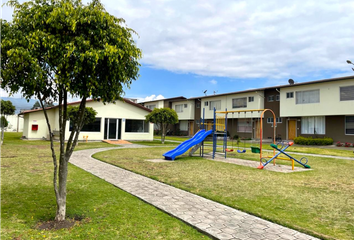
(188, 113)
(226, 102)
(329, 104)
(119, 110)
(15, 123)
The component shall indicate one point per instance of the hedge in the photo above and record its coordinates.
(313, 141)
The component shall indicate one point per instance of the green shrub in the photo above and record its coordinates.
(313, 141)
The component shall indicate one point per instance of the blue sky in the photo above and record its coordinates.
(227, 46)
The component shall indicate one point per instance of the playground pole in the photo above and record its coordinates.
(225, 135)
(214, 134)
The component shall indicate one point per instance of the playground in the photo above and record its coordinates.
(219, 131)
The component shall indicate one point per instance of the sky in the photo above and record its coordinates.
(226, 46)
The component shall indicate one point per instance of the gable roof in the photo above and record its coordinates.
(126, 100)
(279, 86)
(174, 99)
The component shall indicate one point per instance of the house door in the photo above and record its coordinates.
(291, 129)
(191, 128)
(257, 129)
(112, 128)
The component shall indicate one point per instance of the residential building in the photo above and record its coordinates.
(120, 120)
(322, 108)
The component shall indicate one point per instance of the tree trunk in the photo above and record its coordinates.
(163, 134)
(61, 198)
(2, 135)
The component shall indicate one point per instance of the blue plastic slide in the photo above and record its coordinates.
(183, 147)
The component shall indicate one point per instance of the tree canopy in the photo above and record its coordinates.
(7, 108)
(56, 48)
(162, 117)
(89, 115)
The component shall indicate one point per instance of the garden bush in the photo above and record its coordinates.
(313, 141)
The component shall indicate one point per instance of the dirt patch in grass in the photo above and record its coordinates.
(56, 225)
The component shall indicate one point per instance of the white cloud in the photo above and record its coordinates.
(214, 82)
(241, 39)
(153, 97)
(247, 39)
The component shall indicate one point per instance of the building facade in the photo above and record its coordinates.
(114, 121)
(323, 108)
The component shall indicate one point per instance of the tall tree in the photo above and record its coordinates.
(162, 117)
(7, 108)
(56, 48)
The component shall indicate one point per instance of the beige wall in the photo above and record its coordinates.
(226, 102)
(37, 118)
(188, 113)
(159, 104)
(329, 104)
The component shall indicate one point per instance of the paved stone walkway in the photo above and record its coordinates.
(214, 219)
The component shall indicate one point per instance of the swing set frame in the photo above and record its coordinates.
(226, 112)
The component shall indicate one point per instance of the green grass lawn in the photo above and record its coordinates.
(27, 198)
(318, 202)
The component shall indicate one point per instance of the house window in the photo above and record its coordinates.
(198, 105)
(239, 102)
(206, 103)
(216, 104)
(313, 125)
(277, 120)
(185, 105)
(183, 125)
(346, 93)
(151, 106)
(136, 126)
(311, 96)
(277, 98)
(244, 125)
(271, 98)
(179, 108)
(290, 95)
(91, 127)
(251, 99)
(349, 125)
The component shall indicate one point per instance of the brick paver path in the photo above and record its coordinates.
(217, 220)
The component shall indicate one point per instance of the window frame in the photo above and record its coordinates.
(71, 126)
(243, 106)
(296, 97)
(210, 105)
(144, 123)
(248, 126)
(345, 126)
(314, 125)
(277, 97)
(340, 93)
(150, 106)
(289, 95)
(270, 98)
(181, 108)
(251, 98)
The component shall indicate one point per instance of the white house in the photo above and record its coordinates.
(123, 120)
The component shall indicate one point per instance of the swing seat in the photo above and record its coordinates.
(255, 149)
(241, 151)
(229, 150)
